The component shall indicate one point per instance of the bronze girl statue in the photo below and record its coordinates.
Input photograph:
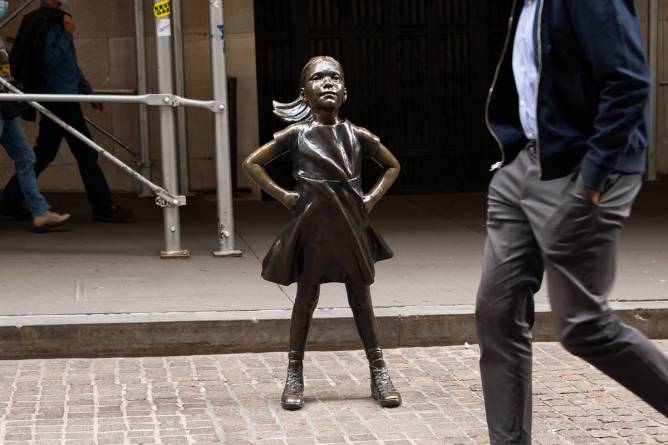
(328, 239)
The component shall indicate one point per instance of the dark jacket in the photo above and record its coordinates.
(27, 55)
(63, 75)
(592, 95)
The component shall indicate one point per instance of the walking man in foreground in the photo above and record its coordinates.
(568, 109)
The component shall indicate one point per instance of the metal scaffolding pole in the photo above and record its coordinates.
(113, 138)
(144, 136)
(163, 25)
(222, 133)
(653, 21)
(181, 117)
(160, 100)
(163, 197)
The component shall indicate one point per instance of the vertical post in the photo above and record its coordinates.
(163, 26)
(144, 141)
(222, 133)
(181, 118)
(653, 22)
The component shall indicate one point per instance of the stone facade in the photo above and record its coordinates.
(105, 43)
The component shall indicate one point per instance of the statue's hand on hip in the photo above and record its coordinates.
(290, 200)
(369, 203)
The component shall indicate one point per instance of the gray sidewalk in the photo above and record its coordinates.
(110, 274)
(235, 400)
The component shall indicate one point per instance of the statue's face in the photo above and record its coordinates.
(324, 87)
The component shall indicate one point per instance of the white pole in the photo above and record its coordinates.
(181, 116)
(163, 25)
(222, 133)
(144, 138)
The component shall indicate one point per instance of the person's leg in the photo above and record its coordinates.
(580, 258)
(46, 148)
(302, 313)
(512, 272)
(93, 178)
(18, 149)
(382, 388)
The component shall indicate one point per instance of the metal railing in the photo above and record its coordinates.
(169, 200)
(164, 198)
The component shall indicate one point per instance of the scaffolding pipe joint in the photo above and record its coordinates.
(165, 199)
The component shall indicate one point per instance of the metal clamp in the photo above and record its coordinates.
(165, 199)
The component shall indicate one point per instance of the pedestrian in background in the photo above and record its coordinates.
(45, 61)
(16, 145)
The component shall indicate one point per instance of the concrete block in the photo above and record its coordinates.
(122, 63)
(197, 64)
(93, 56)
(202, 174)
(200, 134)
(91, 18)
(266, 334)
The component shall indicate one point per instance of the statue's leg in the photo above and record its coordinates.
(302, 312)
(382, 389)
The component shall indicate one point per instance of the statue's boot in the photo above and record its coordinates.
(382, 388)
(293, 393)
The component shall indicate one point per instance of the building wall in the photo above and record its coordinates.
(662, 91)
(106, 50)
(105, 44)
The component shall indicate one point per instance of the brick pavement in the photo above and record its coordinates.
(234, 399)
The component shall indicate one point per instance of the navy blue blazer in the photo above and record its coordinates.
(592, 94)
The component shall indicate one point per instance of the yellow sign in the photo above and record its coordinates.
(162, 8)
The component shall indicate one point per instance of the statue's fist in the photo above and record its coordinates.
(368, 203)
(290, 200)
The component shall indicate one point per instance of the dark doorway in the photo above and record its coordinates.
(417, 71)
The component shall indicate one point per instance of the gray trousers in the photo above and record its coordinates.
(552, 226)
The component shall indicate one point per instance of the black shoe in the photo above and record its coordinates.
(113, 214)
(14, 211)
(293, 393)
(382, 388)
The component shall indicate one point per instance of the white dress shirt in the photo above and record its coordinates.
(525, 68)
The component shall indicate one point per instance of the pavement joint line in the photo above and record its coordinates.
(210, 412)
(273, 314)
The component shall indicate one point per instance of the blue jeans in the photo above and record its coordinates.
(46, 148)
(17, 147)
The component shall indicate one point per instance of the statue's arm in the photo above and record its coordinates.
(254, 167)
(386, 159)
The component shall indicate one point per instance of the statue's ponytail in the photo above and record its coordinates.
(295, 111)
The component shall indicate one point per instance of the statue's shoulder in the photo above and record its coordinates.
(361, 132)
(291, 131)
(364, 134)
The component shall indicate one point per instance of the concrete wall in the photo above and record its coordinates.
(105, 42)
(106, 49)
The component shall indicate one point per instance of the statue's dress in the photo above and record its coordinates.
(328, 237)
